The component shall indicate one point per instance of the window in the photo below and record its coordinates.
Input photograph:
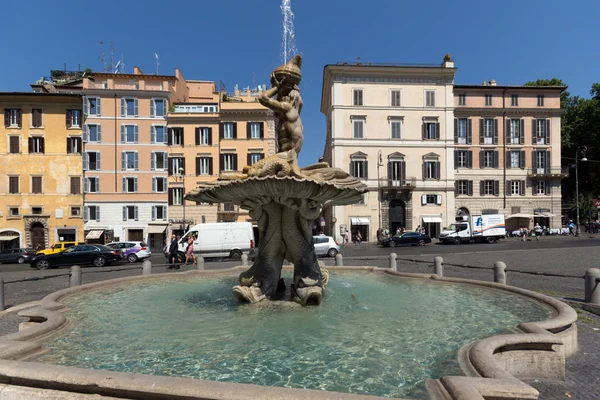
(36, 184)
(397, 172)
(431, 130)
(73, 118)
(541, 161)
(255, 129)
(431, 169)
(129, 107)
(228, 207)
(515, 135)
(176, 166)
(13, 184)
(488, 99)
(92, 185)
(490, 188)
(92, 133)
(462, 99)
(159, 212)
(158, 107)
(12, 117)
(130, 212)
(36, 118)
(74, 145)
(229, 130)
(92, 106)
(14, 144)
(431, 199)
(75, 185)
(488, 131)
(359, 167)
(541, 134)
(514, 100)
(462, 131)
(515, 187)
(396, 128)
(358, 128)
(75, 211)
(159, 185)
(91, 213)
(36, 210)
(228, 162)
(129, 134)
(36, 144)
(253, 158)
(13, 211)
(464, 188)
(175, 137)
(158, 134)
(515, 159)
(541, 187)
(395, 98)
(463, 159)
(203, 136)
(430, 98)
(175, 196)
(129, 161)
(488, 159)
(540, 100)
(130, 185)
(158, 161)
(91, 161)
(357, 97)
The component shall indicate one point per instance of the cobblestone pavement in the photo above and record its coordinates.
(582, 378)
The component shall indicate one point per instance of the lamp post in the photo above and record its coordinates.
(583, 149)
(379, 164)
(182, 175)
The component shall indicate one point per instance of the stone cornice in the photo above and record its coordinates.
(477, 111)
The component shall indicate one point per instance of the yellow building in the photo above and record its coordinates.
(211, 133)
(41, 200)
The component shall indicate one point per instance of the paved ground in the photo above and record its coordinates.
(565, 256)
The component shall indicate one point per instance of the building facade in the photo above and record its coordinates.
(508, 152)
(212, 133)
(392, 126)
(41, 170)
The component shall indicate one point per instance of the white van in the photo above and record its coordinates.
(221, 239)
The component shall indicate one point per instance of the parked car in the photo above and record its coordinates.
(16, 256)
(132, 251)
(96, 254)
(58, 247)
(325, 246)
(407, 239)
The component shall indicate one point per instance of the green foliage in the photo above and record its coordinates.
(552, 82)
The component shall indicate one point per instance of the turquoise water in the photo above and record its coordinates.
(373, 334)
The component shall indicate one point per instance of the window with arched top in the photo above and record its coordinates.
(359, 166)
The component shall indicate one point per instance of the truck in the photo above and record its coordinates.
(476, 228)
(220, 239)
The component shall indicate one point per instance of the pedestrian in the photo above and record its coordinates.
(173, 247)
(386, 233)
(398, 231)
(379, 232)
(571, 228)
(189, 254)
(358, 237)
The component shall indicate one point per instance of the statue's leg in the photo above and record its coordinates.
(265, 272)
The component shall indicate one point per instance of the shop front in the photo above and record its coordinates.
(360, 224)
(156, 237)
(432, 225)
(9, 240)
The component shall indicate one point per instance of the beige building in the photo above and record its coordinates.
(508, 152)
(41, 200)
(392, 126)
(211, 133)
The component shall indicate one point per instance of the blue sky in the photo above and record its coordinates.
(239, 41)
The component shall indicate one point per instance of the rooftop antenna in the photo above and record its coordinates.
(102, 56)
(116, 70)
(253, 80)
(157, 63)
(222, 86)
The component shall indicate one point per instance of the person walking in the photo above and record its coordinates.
(173, 247)
(358, 237)
(379, 232)
(189, 254)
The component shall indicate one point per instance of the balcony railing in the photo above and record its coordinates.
(556, 172)
(402, 183)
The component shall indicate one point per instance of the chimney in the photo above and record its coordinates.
(448, 61)
(493, 82)
(137, 71)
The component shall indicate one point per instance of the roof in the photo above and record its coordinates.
(509, 87)
(370, 64)
(132, 76)
(41, 94)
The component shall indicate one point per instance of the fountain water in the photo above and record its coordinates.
(288, 43)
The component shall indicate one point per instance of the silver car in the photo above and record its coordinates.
(325, 246)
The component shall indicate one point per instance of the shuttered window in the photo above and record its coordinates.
(75, 185)
(15, 144)
(13, 184)
(36, 117)
(36, 184)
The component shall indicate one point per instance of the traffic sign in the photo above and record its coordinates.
(598, 203)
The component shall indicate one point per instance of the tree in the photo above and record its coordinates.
(564, 96)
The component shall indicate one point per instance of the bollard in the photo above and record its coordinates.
(200, 263)
(592, 286)
(75, 275)
(147, 267)
(2, 306)
(244, 260)
(500, 272)
(393, 263)
(438, 266)
(339, 260)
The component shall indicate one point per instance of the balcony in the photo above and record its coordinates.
(548, 172)
(402, 183)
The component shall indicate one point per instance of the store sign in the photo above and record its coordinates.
(541, 210)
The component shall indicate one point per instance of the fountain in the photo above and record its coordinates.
(285, 200)
(288, 43)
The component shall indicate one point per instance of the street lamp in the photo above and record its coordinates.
(182, 175)
(379, 164)
(583, 149)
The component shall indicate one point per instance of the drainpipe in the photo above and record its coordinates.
(116, 163)
(504, 142)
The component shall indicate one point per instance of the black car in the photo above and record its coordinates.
(95, 254)
(16, 256)
(407, 239)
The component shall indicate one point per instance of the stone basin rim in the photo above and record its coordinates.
(483, 373)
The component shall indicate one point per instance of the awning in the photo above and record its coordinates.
(528, 216)
(359, 221)
(156, 228)
(432, 219)
(544, 215)
(94, 234)
(7, 238)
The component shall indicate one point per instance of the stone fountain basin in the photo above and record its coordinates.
(491, 366)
